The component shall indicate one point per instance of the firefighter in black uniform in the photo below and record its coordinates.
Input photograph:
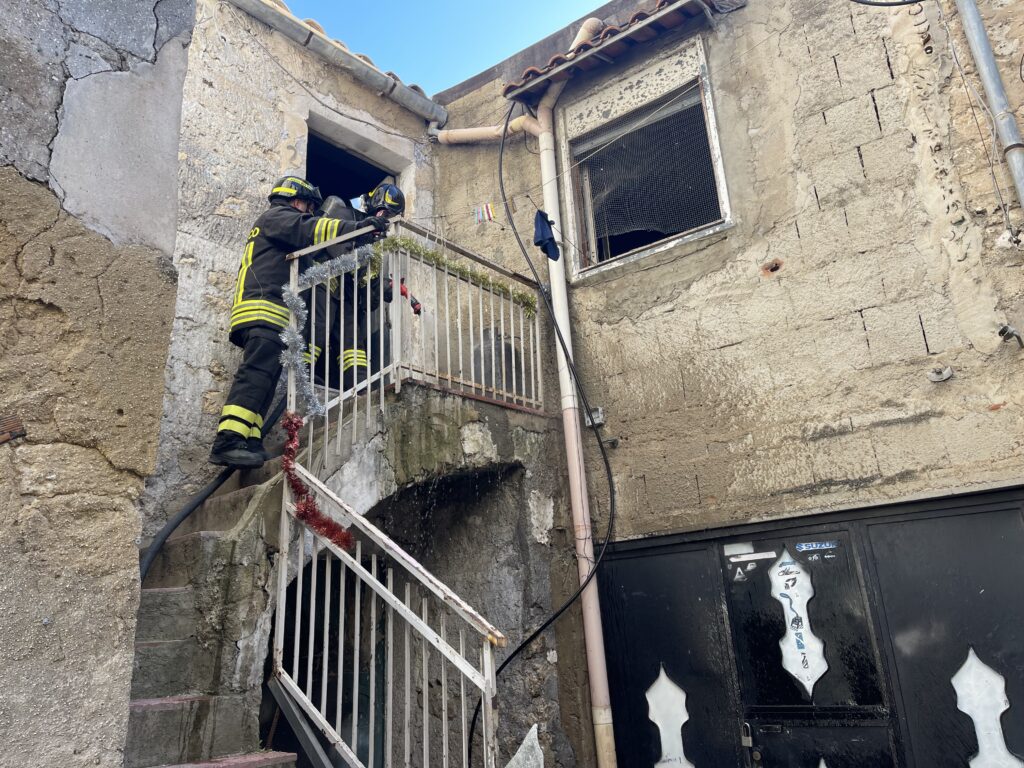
(349, 291)
(258, 312)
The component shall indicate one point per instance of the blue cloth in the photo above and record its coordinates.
(543, 235)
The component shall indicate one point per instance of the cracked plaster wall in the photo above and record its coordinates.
(740, 393)
(86, 299)
(245, 123)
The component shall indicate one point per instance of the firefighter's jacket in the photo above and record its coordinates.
(264, 271)
(350, 296)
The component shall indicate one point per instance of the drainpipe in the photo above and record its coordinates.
(543, 127)
(489, 133)
(593, 633)
(999, 105)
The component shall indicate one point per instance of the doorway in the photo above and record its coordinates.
(884, 637)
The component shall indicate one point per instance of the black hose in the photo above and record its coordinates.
(612, 504)
(885, 3)
(194, 503)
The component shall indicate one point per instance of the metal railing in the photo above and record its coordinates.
(425, 311)
(383, 658)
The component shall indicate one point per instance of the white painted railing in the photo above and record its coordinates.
(382, 657)
(466, 325)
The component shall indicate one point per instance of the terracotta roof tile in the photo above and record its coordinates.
(670, 14)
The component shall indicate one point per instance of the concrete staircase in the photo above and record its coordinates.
(178, 717)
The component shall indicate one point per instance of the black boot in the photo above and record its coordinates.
(255, 445)
(231, 450)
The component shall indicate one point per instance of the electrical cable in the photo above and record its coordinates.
(886, 3)
(595, 427)
(195, 502)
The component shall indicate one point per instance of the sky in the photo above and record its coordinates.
(439, 43)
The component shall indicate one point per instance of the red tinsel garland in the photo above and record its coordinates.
(306, 509)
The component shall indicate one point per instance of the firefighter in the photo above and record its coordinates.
(258, 312)
(349, 292)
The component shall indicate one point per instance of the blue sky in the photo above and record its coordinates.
(440, 43)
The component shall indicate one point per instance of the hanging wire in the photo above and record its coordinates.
(886, 3)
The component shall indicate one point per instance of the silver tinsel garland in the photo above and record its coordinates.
(294, 342)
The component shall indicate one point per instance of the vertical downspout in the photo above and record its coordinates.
(593, 633)
(998, 103)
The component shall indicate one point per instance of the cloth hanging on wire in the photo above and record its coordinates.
(544, 236)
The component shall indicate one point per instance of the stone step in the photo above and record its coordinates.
(256, 760)
(244, 478)
(183, 559)
(170, 668)
(166, 613)
(178, 729)
(219, 513)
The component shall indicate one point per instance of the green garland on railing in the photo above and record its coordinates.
(392, 244)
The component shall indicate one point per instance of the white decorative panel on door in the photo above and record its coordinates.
(803, 654)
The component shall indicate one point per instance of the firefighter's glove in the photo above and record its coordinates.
(379, 223)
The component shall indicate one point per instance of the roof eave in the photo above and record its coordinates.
(593, 55)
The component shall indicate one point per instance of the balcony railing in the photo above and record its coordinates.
(424, 310)
(383, 658)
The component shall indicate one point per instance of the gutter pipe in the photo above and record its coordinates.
(522, 124)
(593, 633)
(543, 127)
(385, 85)
(998, 104)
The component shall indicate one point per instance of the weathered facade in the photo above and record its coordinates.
(786, 359)
(777, 365)
(89, 106)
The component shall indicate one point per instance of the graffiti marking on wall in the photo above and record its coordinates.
(981, 694)
(666, 703)
(803, 654)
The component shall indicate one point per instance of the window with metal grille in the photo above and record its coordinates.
(645, 177)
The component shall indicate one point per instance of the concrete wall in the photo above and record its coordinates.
(740, 393)
(250, 97)
(90, 97)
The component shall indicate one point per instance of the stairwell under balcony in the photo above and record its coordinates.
(464, 485)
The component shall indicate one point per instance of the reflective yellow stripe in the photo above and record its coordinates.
(259, 304)
(259, 420)
(334, 229)
(249, 417)
(258, 311)
(286, 191)
(243, 270)
(300, 182)
(255, 432)
(251, 317)
(317, 238)
(234, 426)
(354, 364)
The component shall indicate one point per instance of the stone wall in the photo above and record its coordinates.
(90, 95)
(251, 96)
(781, 367)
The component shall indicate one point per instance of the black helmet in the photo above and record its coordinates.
(294, 188)
(386, 197)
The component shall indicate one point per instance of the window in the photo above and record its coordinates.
(645, 177)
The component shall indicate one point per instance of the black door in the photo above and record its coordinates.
(889, 637)
(951, 595)
(808, 666)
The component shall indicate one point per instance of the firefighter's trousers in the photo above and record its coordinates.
(255, 382)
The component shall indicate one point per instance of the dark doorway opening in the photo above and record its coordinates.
(339, 172)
